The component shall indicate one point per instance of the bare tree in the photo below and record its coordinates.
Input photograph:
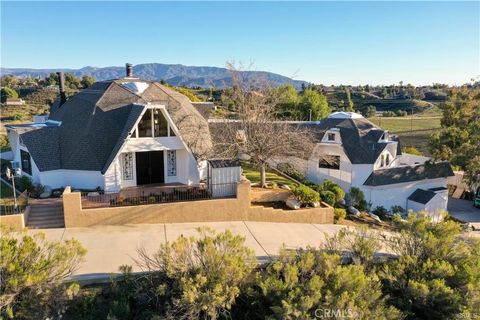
(257, 134)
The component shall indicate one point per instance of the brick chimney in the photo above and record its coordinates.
(129, 69)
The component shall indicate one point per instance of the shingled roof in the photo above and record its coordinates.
(96, 121)
(359, 138)
(422, 196)
(409, 173)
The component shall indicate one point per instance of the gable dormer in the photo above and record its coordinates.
(385, 137)
(332, 136)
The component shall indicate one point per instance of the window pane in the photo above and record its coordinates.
(172, 134)
(128, 166)
(172, 162)
(160, 123)
(145, 125)
(26, 163)
(329, 162)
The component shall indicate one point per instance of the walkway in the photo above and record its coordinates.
(111, 246)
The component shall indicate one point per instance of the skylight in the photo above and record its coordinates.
(345, 115)
(136, 87)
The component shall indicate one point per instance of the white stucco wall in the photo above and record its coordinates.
(360, 173)
(187, 168)
(77, 179)
(397, 194)
(411, 159)
(435, 207)
(342, 177)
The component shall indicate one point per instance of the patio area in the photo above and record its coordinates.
(154, 194)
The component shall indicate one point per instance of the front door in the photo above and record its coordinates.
(149, 167)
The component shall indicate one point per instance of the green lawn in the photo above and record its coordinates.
(253, 175)
(404, 124)
(6, 194)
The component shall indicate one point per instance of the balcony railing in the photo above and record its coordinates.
(22, 203)
(156, 194)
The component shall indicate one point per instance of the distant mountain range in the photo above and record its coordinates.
(174, 74)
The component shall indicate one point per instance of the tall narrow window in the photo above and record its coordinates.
(387, 162)
(145, 125)
(382, 160)
(26, 162)
(127, 165)
(172, 163)
(160, 124)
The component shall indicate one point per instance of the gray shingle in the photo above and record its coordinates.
(96, 121)
(422, 196)
(409, 173)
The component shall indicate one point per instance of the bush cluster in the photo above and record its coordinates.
(212, 277)
(305, 195)
(340, 213)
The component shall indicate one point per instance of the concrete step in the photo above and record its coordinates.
(44, 218)
(43, 209)
(46, 225)
(46, 213)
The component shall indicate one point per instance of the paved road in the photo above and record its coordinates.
(465, 211)
(111, 246)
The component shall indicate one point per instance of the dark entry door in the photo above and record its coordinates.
(149, 167)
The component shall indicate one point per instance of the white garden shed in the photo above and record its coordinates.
(223, 176)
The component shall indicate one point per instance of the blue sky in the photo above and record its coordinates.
(321, 42)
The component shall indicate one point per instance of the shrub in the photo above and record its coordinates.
(388, 114)
(196, 278)
(381, 212)
(305, 194)
(340, 213)
(411, 150)
(18, 116)
(34, 275)
(356, 198)
(436, 274)
(328, 197)
(24, 183)
(8, 93)
(400, 113)
(4, 143)
(397, 210)
(329, 185)
(371, 111)
(300, 284)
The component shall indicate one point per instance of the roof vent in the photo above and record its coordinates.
(129, 69)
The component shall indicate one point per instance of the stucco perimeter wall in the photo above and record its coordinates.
(15, 221)
(236, 209)
(269, 195)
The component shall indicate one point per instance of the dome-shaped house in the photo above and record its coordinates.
(115, 134)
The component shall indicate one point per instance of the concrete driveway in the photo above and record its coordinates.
(465, 211)
(112, 246)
